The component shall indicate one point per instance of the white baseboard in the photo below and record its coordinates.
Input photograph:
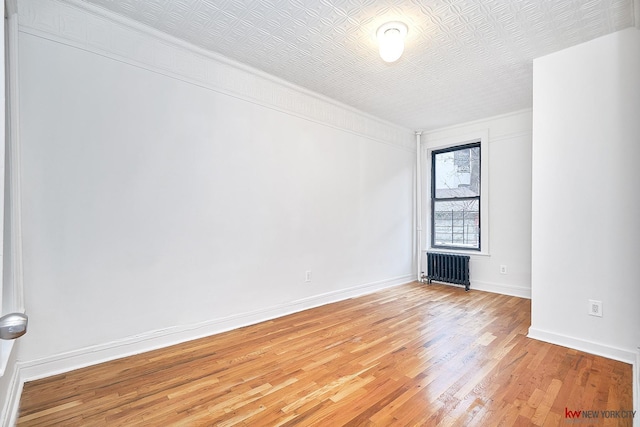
(622, 355)
(496, 288)
(9, 413)
(80, 358)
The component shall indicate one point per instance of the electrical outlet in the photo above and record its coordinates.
(503, 269)
(595, 308)
(307, 276)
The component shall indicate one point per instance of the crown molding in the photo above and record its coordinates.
(96, 30)
(481, 121)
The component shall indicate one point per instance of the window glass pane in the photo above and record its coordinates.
(457, 223)
(457, 173)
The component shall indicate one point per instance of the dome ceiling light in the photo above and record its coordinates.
(391, 40)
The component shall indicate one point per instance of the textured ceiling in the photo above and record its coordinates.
(463, 59)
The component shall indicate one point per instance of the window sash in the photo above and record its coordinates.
(435, 200)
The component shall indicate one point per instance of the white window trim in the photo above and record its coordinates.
(431, 145)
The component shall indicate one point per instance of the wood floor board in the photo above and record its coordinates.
(424, 355)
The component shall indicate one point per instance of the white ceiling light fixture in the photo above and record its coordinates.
(391, 40)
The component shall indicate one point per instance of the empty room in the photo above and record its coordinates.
(320, 213)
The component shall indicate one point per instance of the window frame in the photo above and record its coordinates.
(475, 144)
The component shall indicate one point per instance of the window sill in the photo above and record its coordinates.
(457, 252)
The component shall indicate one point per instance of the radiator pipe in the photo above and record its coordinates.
(418, 206)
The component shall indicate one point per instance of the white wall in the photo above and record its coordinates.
(509, 199)
(159, 206)
(586, 200)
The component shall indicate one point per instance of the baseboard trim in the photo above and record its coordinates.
(9, 414)
(496, 288)
(622, 355)
(93, 355)
(354, 291)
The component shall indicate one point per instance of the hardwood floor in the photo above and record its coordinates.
(425, 355)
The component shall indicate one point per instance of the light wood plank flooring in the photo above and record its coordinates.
(425, 355)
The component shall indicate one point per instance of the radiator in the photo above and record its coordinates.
(448, 268)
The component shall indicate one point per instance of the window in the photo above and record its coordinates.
(455, 197)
